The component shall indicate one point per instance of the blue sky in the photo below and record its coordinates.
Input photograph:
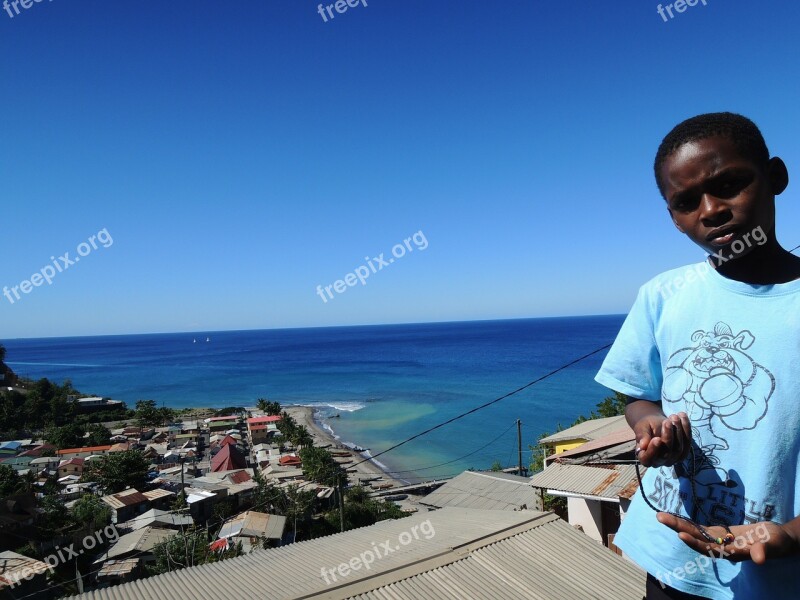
(239, 154)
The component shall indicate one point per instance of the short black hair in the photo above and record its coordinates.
(745, 135)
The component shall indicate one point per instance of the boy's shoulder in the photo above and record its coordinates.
(680, 280)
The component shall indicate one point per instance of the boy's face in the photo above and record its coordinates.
(717, 196)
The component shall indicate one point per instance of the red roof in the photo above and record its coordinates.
(258, 420)
(227, 459)
(37, 451)
(240, 477)
(227, 440)
(84, 449)
(289, 460)
(72, 461)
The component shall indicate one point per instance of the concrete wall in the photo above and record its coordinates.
(585, 513)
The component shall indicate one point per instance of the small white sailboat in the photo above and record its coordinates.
(194, 341)
(208, 339)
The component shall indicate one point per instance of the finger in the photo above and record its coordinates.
(684, 529)
(650, 456)
(686, 429)
(667, 435)
(678, 443)
(643, 439)
(758, 553)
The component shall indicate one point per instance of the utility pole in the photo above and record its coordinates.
(341, 503)
(183, 483)
(183, 492)
(519, 444)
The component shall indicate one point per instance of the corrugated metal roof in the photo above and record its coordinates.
(16, 567)
(160, 518)
(254, 524)
(588, 430)
(550, 562)
(605, 482)
(156, 494)
(141, 540)
(126, 498)
(497, 491)
(614, 438)
(117, 568)
(472, 553)
(83, 449)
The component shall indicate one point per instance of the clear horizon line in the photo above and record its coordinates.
(210, 332)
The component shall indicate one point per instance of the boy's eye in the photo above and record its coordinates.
(685, 203)
(729, 187)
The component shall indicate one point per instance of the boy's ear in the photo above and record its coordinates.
(671, 216)
(778, 175)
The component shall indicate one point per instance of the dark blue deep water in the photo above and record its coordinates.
(386, 382)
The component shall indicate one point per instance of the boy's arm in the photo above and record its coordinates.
(661, 440)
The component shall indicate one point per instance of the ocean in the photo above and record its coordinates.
(385, 382)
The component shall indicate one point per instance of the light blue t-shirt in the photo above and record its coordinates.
(728, 354)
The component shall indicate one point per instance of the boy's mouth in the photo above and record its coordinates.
(721, 236)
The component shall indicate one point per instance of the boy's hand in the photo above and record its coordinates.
(757, 542)
(663, 441)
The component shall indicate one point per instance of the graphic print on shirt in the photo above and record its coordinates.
(722, 389)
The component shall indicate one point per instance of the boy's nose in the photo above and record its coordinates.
(711, 208)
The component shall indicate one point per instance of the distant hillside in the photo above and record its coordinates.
(7, 376)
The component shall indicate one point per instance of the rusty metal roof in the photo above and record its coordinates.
(604, 481)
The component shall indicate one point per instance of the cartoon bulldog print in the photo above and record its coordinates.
(720, 387)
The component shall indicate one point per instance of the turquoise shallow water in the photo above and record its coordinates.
(385, 382)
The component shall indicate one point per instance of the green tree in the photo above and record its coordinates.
(320, 466)
(295, 504)
(54, 515)
(67, 436)
(10, 481)
(263, 492)
(91, 512)
(147, 413)
(496, 466)
(118, 471)
(287, 425)
(224, 509)
(7, 376)
(302, 438)
(612, 406)
(362, 510)
(188, 549)
(229, 410)
(98, 435)
(268, 407)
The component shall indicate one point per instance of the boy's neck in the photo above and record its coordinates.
(766, 265)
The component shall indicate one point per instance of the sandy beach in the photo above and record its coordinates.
(304, 415)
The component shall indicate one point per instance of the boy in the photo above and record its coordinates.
(709, 358)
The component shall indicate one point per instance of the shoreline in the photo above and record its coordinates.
(304, 415)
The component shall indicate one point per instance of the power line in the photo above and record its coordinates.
(487, 404)
(450, 461)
